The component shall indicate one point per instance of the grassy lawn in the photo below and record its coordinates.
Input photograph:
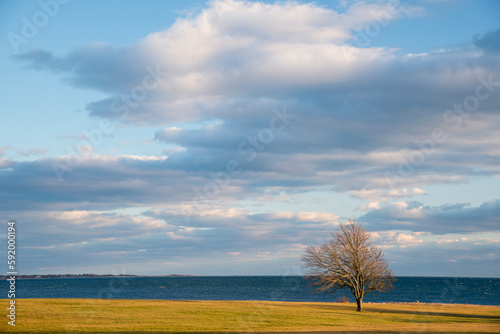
(113, 316)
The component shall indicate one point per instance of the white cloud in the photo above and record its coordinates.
(418, 191)
(360, 114)
(306, 216)
(442, 219)
(407, 240)
(370, 206)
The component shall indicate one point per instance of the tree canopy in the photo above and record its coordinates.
(348, 260)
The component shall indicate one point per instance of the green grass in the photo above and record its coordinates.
(114, 316)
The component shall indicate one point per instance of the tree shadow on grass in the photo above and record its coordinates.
(368, 309)
(491, 318)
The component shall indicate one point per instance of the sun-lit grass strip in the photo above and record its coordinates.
(107, 316)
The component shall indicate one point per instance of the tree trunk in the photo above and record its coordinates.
(359, 301)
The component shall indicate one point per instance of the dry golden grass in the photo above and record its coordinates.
(121, 316)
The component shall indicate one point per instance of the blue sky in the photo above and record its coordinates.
(224, 137)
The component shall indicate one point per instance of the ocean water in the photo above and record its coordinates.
(482, 291)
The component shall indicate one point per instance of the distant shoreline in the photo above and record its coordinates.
(88, 276)
(42, 276)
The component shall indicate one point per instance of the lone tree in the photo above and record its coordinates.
(348, 260)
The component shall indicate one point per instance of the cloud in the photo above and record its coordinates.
(396, 239)
(160, 234)
(454, 218)
(358, 122)
(376, 195)
(371, 122)
(54, 239)
(33, 151)
(365, 120)
(219, 56)
(3, 149)
(490, 41)
(449, 255)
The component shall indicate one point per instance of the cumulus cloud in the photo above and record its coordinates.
(231, 50)
(456, 256)
(160, 234)
(216, 87)
(454, 218)
(159, 237)
(361, 120)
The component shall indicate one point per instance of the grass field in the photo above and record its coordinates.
(114, 316)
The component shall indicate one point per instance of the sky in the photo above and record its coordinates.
(225, 137)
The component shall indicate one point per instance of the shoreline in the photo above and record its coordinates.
(257, 301)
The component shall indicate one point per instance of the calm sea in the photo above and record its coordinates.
(484, 291)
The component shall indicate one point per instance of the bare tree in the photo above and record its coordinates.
(348, 260)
